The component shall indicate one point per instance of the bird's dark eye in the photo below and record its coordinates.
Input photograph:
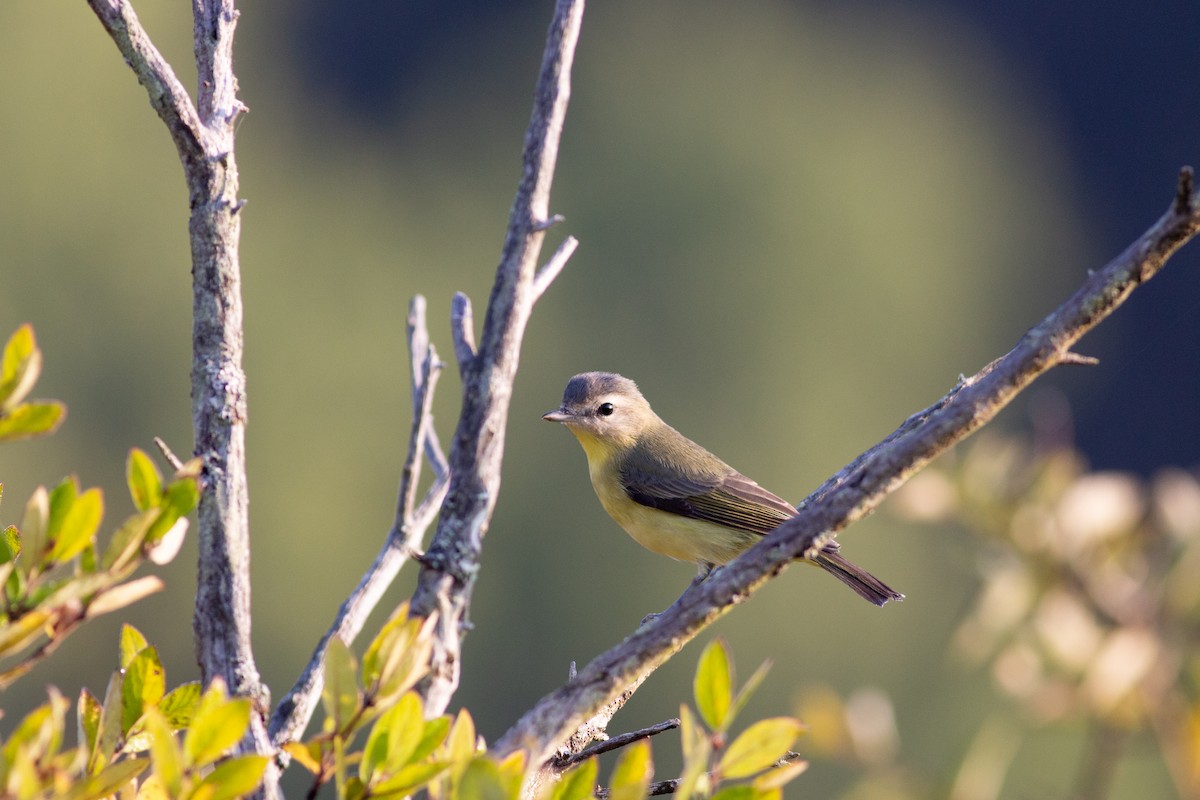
(605, 409)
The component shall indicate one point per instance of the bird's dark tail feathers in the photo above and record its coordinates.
(864, 583)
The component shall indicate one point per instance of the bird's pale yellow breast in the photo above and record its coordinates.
(672, 535)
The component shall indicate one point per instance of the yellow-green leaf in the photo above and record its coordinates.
(20, 368)
(88, 715)
(340, 695)
(132, 643)
(232, 778)
(180, 704)
(632, 772)
(780, 776)
(144, 480)
(144, 685)
(306, 755)
(108, 780)
(483, 780)
(10, 544)
(435, 733)
(713, 685)
(18, 635)
(79, 525)
(744, 694)
(577, 783)
(409, 779)
(738, 793)
(697, 750)
(218, 725)
(34, 523)
(164, 752)
(31, 419)
(759, 747)
(393, 739)
(461, 744)
(126, 542)
(109, 733)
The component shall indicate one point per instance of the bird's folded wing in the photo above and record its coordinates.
(731, 500)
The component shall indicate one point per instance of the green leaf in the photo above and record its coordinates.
(306, 755)
(164, 752)
(697, 749)
(232, 778)
(461, 744)
(435, 732)
(79, 525)
(218, 725)
(20, 367)
(62, 498)
(340, 695)
(10, 544)
(34, 524)
(144, 480)
(88, 713)
(18, 635)
(578, 783)
(780, 776)
(132, 643)
(744, 694)
(483, 780)
(393, 739)
(759, 747)
(713, 685)
(126, 542)
(632, 772)
(178, 499)
(144, 685)
(409, 779)
(110, 727)
(31, 419)
(738, 793)
(108, 780)
(180, 704)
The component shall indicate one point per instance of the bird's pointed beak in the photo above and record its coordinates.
(557, 415)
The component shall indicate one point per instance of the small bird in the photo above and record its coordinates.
(669, 493)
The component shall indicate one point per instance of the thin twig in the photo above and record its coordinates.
(168, 454)
(551, 269)
(617, 742)
(452, 560)
(854, 491)
(295, 710)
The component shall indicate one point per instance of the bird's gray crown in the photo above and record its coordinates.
(589, 385)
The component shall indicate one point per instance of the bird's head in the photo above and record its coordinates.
(605, 411)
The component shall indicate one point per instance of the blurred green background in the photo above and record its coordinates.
(799, 223)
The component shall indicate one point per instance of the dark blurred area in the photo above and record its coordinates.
(799, 223)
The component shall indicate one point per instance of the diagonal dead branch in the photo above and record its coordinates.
(453, 558)
(294, 712)
(854, 491)
(551, 269)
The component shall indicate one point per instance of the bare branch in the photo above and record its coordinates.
(452, 560)
(168, 96)
(295, 710)
(203, 134)
(168, 453)
(853, 492)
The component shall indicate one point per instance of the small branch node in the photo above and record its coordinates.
(1070, 357)
(541, 225)
(238, 206)
(462, 330)
(1183, 191)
